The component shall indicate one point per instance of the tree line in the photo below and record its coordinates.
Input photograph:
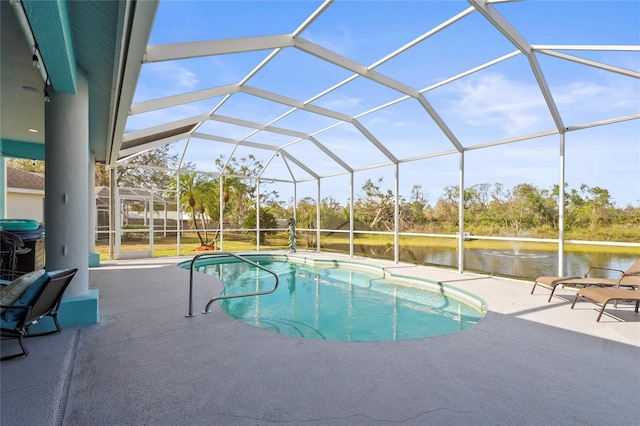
(489, 209)
(493, 209)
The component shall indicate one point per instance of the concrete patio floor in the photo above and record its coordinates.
(528, 362)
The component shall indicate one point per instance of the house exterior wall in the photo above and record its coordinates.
(25, 204)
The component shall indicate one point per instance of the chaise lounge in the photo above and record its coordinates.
(602, 296)
(587, 281)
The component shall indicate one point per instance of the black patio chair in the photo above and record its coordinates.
(39, 300)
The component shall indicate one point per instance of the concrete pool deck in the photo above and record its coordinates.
(527, 362)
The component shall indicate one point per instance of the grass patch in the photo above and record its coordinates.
(239, 242)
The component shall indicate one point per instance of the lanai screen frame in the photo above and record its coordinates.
(140, 140)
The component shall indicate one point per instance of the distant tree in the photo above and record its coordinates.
(494, 216)
(27, 165)
(332, 214)
(306, 219)
(600, 206)
(268, 222)
(164, 161)
(241, 186)
(281, 208)
(414, 213)
(102, 175)
(524, 206)
(376, 207)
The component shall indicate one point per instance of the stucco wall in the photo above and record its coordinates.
(21, 205)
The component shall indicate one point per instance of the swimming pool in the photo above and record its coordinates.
(337, 300)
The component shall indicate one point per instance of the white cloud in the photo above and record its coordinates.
(494, 100)
(339, 39)
(339, 102)
(179, 75)
(163, 79)
(590, 96)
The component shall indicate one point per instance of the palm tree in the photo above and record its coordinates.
(194, 189)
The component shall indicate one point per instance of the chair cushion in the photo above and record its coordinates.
(14, 315)
(17, 287)
(8, 325)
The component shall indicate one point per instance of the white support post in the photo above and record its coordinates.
(112, 212)
(561, 207)
(221, 215)
(117, 229)
(461, 216)
(318, 219)
(165, 218)
(151, 223)
(258, 215)
(396, 216)
(178, 213)
(351, 215)
(295, 202)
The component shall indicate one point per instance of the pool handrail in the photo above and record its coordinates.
(226, 296)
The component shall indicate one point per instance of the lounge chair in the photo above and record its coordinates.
(601, 296)
(585, 281)
(41, 298)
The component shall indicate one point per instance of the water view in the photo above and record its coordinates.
(527, 264)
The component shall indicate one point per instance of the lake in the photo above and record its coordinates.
(526, 264)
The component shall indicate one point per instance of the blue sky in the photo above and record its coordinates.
(497, 103)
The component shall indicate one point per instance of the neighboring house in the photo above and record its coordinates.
(25, 200)
(25, 195)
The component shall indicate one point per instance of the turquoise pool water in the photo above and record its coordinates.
(341, 303)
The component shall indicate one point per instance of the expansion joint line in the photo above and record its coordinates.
(67, 380)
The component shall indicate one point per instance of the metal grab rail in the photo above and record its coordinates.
(226, 296)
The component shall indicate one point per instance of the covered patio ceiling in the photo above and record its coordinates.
(317, 89)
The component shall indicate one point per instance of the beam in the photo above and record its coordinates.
(49, 21)
(440, 122)
(253, 125)
(139, 149)
(190, 121)
(222, 139)
(134, 40)
(197, 49)
(367, 134)
(21, 149)
(595, 64)
(348, 64)
(184, 98)
(295, 103)
(330, 154)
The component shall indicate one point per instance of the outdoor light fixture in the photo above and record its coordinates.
(34, 57)
(46, 94)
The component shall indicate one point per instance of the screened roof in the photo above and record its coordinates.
(319, 89)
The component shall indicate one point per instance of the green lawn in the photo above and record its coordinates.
(243, 242)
